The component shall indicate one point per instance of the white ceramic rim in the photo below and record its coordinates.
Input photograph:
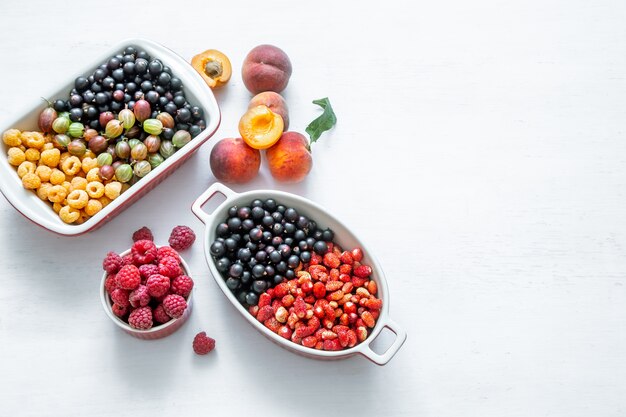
(106, 303)
(27, 202)
(363, 348)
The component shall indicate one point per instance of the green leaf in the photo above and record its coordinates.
(324, 122)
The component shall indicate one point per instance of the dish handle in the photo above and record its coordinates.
(386, 356)
(215, 188)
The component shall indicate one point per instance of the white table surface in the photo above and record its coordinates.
(480, 151)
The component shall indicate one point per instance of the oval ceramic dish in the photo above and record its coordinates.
(156, 332)
(41, 213)
(343, 236)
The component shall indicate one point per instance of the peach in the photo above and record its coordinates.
(275, 102)
(266, 68)
(290, 159)
(233, 161)
(260, 127)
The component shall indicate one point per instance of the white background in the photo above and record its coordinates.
(480, 152)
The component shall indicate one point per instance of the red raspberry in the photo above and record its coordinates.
(181, 238)
(182, 285)
(128, 259)
(143, 234)
(157, 285)
(159, 314)
(139, 297)
(140, 318)
(120, 297)
(146, 270)
(174, 305)
(167, 251)
(203, 344)
(119, 311)
(144, 252)
(169, 267)
(128, 277)
(112, 263)
(110, 283)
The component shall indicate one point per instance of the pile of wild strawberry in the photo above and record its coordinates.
(149, 285)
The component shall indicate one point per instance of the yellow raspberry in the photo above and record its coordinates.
(51, 157)
(79, 183)
(57, 193)
(57, 177)
(25, 167)
(95, 189)
(31, 181)
(77, 199)
(33, 139)
(47, 146)
(113, 189)
(104, 200)
(12, 137)
(44, 172)
(92, 175)
(69, 214)
(15, 156)
(63, 157)
(92, 207)
(32, 154)
(88, 164)
(42, 191)
(71, 165)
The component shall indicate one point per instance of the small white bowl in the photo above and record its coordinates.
(155, 332)
(344, 237)
(41, 213)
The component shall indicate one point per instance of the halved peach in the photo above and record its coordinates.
(260, 127)
(213, 66)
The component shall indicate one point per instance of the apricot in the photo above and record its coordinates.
(213, 66)
(290, 159)
(260, 127)
(266, 68)
(233, 161)
(275, 102)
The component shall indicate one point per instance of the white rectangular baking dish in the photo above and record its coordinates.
(41, 213)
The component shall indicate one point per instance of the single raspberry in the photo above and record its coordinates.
(181, 238)
(120, 297)
(157, 285)
(144, 252)
(167, 251)
(159, 314)
(140, 318)
(203, 344)
(169, 267)
(128, 277)
(112, 263)
(174, 305)
(110, 283)
(139, 297)
(146, 270)
(182, 285)
(119, 311)
(143, 234)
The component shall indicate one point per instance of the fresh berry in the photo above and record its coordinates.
(139, 297)
(157, 285)
(159, 314)
(119, 311)
(146, 270)
(128, 259)
(174, 305)
(203, 344)
(110, 283)
(128, 277)
(140, 318)
(182, 285)
(120, 297)
(169, 267)
(144, 252)
(181, 238)
(143, 234)
(167, 251)
(112, 263)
